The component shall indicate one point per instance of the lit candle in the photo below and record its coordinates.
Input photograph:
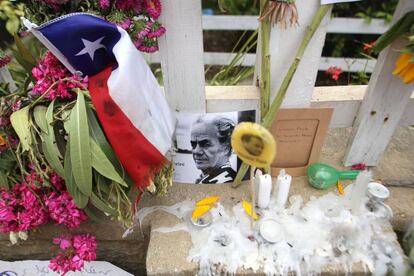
(282, 187)
(264, 189)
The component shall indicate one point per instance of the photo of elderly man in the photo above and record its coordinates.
(211, 149)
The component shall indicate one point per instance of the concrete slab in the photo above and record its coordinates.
(167, 253)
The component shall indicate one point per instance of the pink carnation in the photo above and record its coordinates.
(104, 4)
(20, 209)
(76, 251)
(50, 71)
(153, 8)
(85, 246)
(63, 210)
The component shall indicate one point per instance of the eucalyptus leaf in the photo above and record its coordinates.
(7, 161)
(93, 215)
(101, 205)
(49, 146)
(80, 199)
(23, 51)
(27, 66)
(21, 124)
(98, 135)
(80, 152)
(39, 114)
(4, 182)
(102, 164)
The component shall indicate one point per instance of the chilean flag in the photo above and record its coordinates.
(130, 105)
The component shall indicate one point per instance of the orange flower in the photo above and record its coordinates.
(404, 67)
(3, 141)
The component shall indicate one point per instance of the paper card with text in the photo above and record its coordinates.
(299, 134)
(325, 2)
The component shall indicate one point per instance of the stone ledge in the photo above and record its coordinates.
(167, 252)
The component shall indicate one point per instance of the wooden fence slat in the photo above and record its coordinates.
(383, 105)
(347, 64)
(346, 101)
(284, 44)
(181, 51)
(336, 24)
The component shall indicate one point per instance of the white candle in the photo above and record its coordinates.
(264, 190)
(359, 190)
(282, 186)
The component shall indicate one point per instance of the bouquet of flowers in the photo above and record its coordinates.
(56, 164)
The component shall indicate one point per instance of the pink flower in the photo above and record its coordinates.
(334, 72)
(85, 246)
(57, 181)
(125, 24)
(63, 210)
(20, 209)
(359, 166)
(124, 5)
(64, 242)
(153, 8)
(51, 72)
(4, 61)
(104, 4)
(76, 251)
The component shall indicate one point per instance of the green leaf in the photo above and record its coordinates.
(98, 135)
(24, 52)
(93, 215)
(102, 183)
(80, 199)
(7, 161)
(49, 146)
(98, 203)
(102, 164)
(4, 182)
(12, 25)
(21, 124)
(39, 114)
(27, 66)
(80, 151)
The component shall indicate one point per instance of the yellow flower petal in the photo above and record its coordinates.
(340, 188)
(401, 63)
(200, 210)
(208, 200)
(248, 209)
(408, 76)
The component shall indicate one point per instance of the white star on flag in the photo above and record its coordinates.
(91, 47)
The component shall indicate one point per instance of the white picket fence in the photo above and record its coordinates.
(374, 112)
(250, 23)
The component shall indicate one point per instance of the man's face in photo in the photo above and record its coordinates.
(208, 152)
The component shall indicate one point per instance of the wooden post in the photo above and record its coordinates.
(181, 53)
(283, 47)
(383, 106)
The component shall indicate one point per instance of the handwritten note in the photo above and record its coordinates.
(40, 268)
(294, 140)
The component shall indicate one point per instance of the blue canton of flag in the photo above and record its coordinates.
(84, 41)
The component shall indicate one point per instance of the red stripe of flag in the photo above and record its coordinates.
(138, 156)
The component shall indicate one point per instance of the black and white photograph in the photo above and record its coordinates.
(203, 142)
